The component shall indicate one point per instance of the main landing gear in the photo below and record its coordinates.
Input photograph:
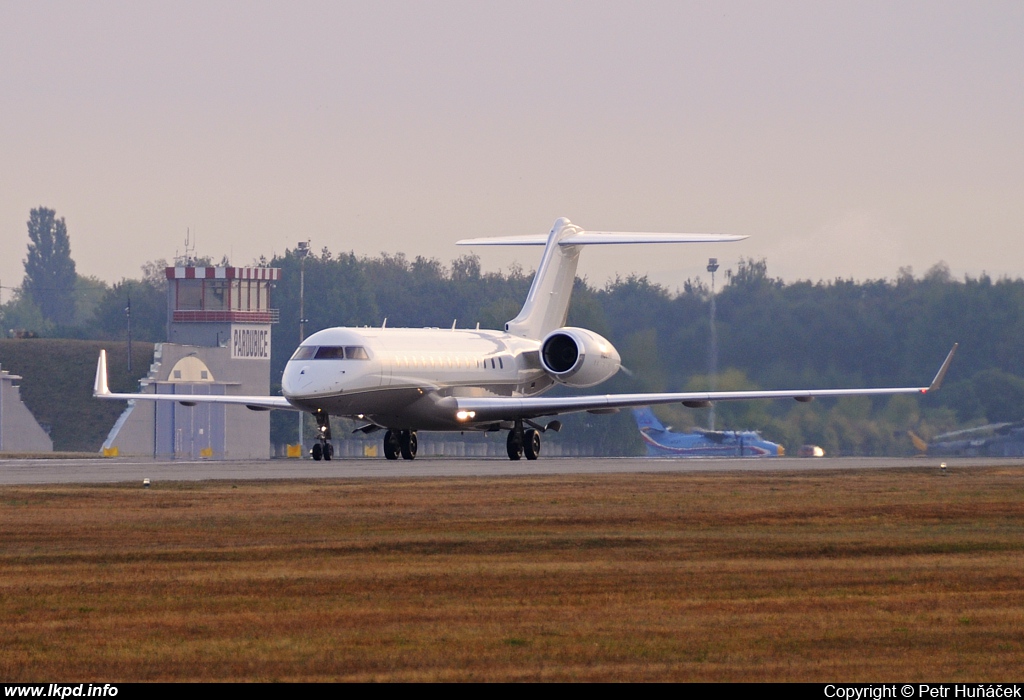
(322, 448)
(523, 442)
(526, 441)
(400, 442)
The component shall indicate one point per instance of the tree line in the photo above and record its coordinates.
(771, 334)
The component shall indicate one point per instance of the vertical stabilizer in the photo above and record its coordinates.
(645, 418)
(547, 304)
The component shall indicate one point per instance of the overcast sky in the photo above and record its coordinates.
(847, 139)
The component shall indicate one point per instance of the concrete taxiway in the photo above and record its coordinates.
(71, 471)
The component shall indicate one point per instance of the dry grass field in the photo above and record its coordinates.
(865, 575)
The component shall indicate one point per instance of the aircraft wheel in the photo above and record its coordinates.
(531, 444)
(328, 451)
(409, 443)
(391, 446)
(514, 446)
(317, 451)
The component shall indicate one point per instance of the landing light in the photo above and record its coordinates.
(465, 415)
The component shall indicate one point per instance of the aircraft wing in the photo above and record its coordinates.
(257, 403)
(485, 409)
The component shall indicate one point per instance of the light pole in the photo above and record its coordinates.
(713, 350)
(302, 250)
(128, 314)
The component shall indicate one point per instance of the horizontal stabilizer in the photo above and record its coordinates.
(607, 238)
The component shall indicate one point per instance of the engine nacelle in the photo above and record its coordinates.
(578, 357)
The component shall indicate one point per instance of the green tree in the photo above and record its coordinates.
(21, 314)
(149, 311)
(49, 270)
(89, 293)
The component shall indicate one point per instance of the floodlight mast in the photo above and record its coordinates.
(302, 250)
(713, 350)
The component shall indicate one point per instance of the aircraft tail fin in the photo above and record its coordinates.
(547, 305)
(645, 418)
(919, 444)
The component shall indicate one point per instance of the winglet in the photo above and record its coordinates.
(99, 387)
(941, 374)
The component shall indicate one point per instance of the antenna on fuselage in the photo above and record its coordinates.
(453, 323)
(385, 324)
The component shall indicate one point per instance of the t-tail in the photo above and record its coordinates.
(547, 305)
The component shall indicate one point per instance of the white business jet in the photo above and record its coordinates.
(406, 379)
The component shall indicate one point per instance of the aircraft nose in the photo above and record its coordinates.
(292, 379)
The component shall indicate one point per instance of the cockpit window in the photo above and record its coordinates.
(331, 352)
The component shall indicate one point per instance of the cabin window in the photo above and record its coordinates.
(501, 365)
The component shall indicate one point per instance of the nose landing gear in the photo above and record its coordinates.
(322, 448)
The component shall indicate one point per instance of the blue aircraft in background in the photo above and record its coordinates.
(662, 442)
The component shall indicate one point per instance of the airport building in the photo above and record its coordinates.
(19, 431)
(219, 321)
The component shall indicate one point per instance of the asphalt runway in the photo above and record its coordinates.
(93, 471)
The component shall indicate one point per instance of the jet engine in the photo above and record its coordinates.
(578, 357)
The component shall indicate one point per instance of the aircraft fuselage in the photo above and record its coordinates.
(404, 378)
